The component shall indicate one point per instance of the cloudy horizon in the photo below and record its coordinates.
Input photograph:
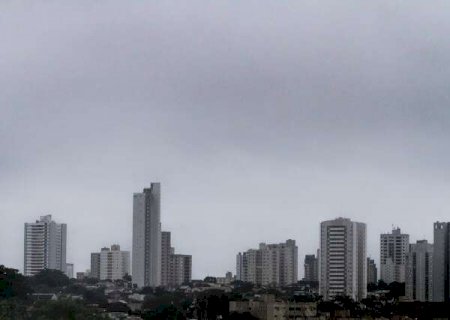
(260, 119)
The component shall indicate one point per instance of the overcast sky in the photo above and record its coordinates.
(259, 118)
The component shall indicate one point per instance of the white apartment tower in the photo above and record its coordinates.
(147, 237)
(393, 249)
(271, 264)
(114, 263)
(248, 266)
(343, 263)
(44, 246)
(419, 271)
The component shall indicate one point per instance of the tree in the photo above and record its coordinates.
(12, 284)
(127, 277)
(165, 312)
(396, 289)
(50, 278)
(95, 296)
(242, 287)
(64, 309)
(212, 303)
(12, 309)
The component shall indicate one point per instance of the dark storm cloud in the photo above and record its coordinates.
(260, 119)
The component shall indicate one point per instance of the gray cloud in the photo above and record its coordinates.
(260, 119)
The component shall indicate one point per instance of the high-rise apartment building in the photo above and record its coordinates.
(176, 269)
(147, 237)
(239, 267)
(372, 272)
(343, 260)
(393, 249)
(110, 264)
(44, 246)
(441, 267)
(180, 269)
(271, 264)
(311, 266)
(95, 265)
(249, 265)
(419, 271)
(166, 251)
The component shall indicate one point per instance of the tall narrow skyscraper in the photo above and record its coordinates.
(393, 249)
(44, 246)
(166, 251)
(343, 260)
(441, 267)
(146, 265)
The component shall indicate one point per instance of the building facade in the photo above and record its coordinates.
(393, 249)
(271, 264)
(343, 260)
(166, 251)
(441, 268)
(95, 265)
(114, 263)
(267, 307)
(147, 237)
(180, 266)
(372, 271)
(419, 271)
(248, 265)
(44, 246)
(311, 266)
(176, 269)
(239, 267)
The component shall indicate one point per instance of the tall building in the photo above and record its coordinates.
(271, 264)
(166, 251)
(147, 237)
(419, 271)
(44, 246)
(311, 266)
(372, 272)
(180, 269)
(249, 265)
(113, 263)
(95, 265)
(393, 249)
(176, 269)
(441, 268)
(343, 264)
(239, 267)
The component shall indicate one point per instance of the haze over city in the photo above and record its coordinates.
(259, 121)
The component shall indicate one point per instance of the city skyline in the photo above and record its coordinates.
(260, 121)
(149, 201)
(396, 231)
